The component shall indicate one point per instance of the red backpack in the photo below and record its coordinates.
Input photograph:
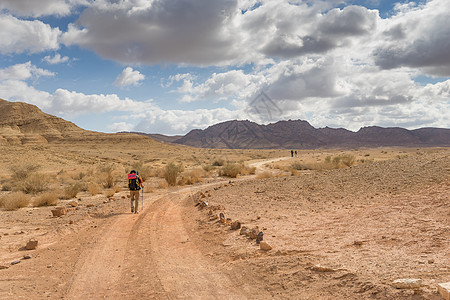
(133, 182)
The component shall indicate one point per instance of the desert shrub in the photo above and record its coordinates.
(348, 160)
(34, 183)
(230, 170)
(109, 193)
(15, 200)
(218, 162)
(22, 171)
(192, 176)
(72, 190)
(93, 188)
(107, 176)
(303, 166)
(46, 199)
(25, 178)
(265, 174)
(246, 170)
(79, 176)
(345, 160)
(171, 172)
(208, 168)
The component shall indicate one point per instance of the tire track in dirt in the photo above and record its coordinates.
(98, 271)
(183, 270)
(150, 255)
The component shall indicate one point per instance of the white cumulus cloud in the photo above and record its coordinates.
(57, 59)
(18, 36)
(34, 8)
(129, 77)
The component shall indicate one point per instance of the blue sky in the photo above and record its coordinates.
(174, 65)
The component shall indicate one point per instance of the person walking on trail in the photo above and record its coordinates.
(135, 183)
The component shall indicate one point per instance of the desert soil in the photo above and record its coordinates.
(365, 226)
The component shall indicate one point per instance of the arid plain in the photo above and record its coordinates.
(366, 225)
(341, 224)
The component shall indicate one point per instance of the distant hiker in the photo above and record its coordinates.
(135, 183)
(292, 153)
(295, 153)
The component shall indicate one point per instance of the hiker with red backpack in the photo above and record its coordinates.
(135, 183)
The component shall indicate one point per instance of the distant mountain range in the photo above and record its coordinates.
(298, 134)
(22, 123)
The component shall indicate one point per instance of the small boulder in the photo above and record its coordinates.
(2, 267)
(407, 283)
(73, 203)
(214, 217)
(31, 245)
(235, 225)
(259, 237)
(59, 211)
(228, 221)
(264, 246)
(444, 290)
(245, 231)
(254, 233)
(222, 218)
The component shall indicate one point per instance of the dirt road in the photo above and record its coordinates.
(151, 255)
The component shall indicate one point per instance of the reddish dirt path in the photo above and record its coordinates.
(151, 255)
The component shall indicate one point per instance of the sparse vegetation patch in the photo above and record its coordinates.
(16, 200)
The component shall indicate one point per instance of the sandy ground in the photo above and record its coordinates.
(366, 225)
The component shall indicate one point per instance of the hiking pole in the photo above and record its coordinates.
(142, 199)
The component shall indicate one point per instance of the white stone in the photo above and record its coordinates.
(407, 283)
(444, 290)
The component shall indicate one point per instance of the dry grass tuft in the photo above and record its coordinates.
(246, 170)
(72, 190)
(171, 172)
(192, 176)
(265, 174)
(219, 162)
(93, 189)
(46, 199)
(109, 193)
(336, 162)
(34, 183)
(234, 169)
(15, 200)
(25, 178)
(107, 175)
(230, 170)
